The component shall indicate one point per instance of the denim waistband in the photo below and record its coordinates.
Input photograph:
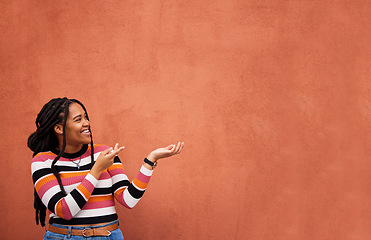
(81, 228)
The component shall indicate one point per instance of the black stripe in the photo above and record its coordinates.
(117, 160)
(134, 192)
(72, 155)
(40, 173)
(123, 183)
(102, 191)
(54, 200)
(85, 220)
(80, 200)
(72, 169)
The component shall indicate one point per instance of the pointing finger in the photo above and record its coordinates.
(117, 151)
(107, 151)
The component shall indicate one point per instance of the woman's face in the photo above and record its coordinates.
(77, 126)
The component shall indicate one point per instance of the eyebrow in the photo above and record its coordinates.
(76, 117)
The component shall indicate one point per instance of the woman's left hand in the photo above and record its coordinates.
(165, 152)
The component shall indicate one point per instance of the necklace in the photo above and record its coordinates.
(77, 164)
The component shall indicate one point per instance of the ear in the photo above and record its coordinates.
(58, 129)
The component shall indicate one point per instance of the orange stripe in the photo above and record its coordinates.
(59, 209)
(95, 145)
(84, 191)
(100, 198)
(73, 174)
(45, 153)
(118, 192)
(47, 179)
(140, 184)
(98, 145)
(43, 181)
(116, 166)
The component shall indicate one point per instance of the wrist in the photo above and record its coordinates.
(95, 172)
(149, 164)
(152, 158)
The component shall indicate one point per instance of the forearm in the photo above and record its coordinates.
(131, 195)
(68, 205)
(128, 193)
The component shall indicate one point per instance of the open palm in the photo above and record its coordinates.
(166, 151)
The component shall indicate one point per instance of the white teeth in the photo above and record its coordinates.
(86, 131)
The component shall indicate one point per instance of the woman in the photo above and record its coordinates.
(78, 181)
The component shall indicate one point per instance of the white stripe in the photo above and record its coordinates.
(96, 154)
(49, 194)
(129, 200)
(38, 165)
(72, 205)
(91, 179)
(146, 171)
(47, 162)
(96, 212)
(119, 177)
(104, 183)
(73, 163)
(69, 188)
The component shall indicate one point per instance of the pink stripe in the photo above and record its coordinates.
(66, 210)
(42, 158)
(143, 178)
(87, 153)
(64, 160)
(123, 203)
(100, 148)
(73, 180)
(38, 159)
(101, 204)
(88, 185)
(46, 187)
(116, 171)
(104, 175)
(74, 159)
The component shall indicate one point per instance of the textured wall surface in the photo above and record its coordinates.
(272, 99)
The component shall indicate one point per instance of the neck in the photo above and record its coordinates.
(71, 148)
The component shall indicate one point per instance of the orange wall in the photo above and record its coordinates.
(272, 99)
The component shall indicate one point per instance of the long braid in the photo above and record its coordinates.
(44, 139)
(91, 134)
(61, 152)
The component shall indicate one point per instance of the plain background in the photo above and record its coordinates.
(272, 99)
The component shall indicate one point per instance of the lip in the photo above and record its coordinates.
(86, 131)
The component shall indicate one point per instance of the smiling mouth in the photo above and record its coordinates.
(86, 131)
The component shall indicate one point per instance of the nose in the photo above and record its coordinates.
(85, 122)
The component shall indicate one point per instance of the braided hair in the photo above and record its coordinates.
(44, 139)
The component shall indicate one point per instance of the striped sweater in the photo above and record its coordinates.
(88, 200)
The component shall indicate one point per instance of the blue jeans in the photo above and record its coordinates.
(115, 234)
